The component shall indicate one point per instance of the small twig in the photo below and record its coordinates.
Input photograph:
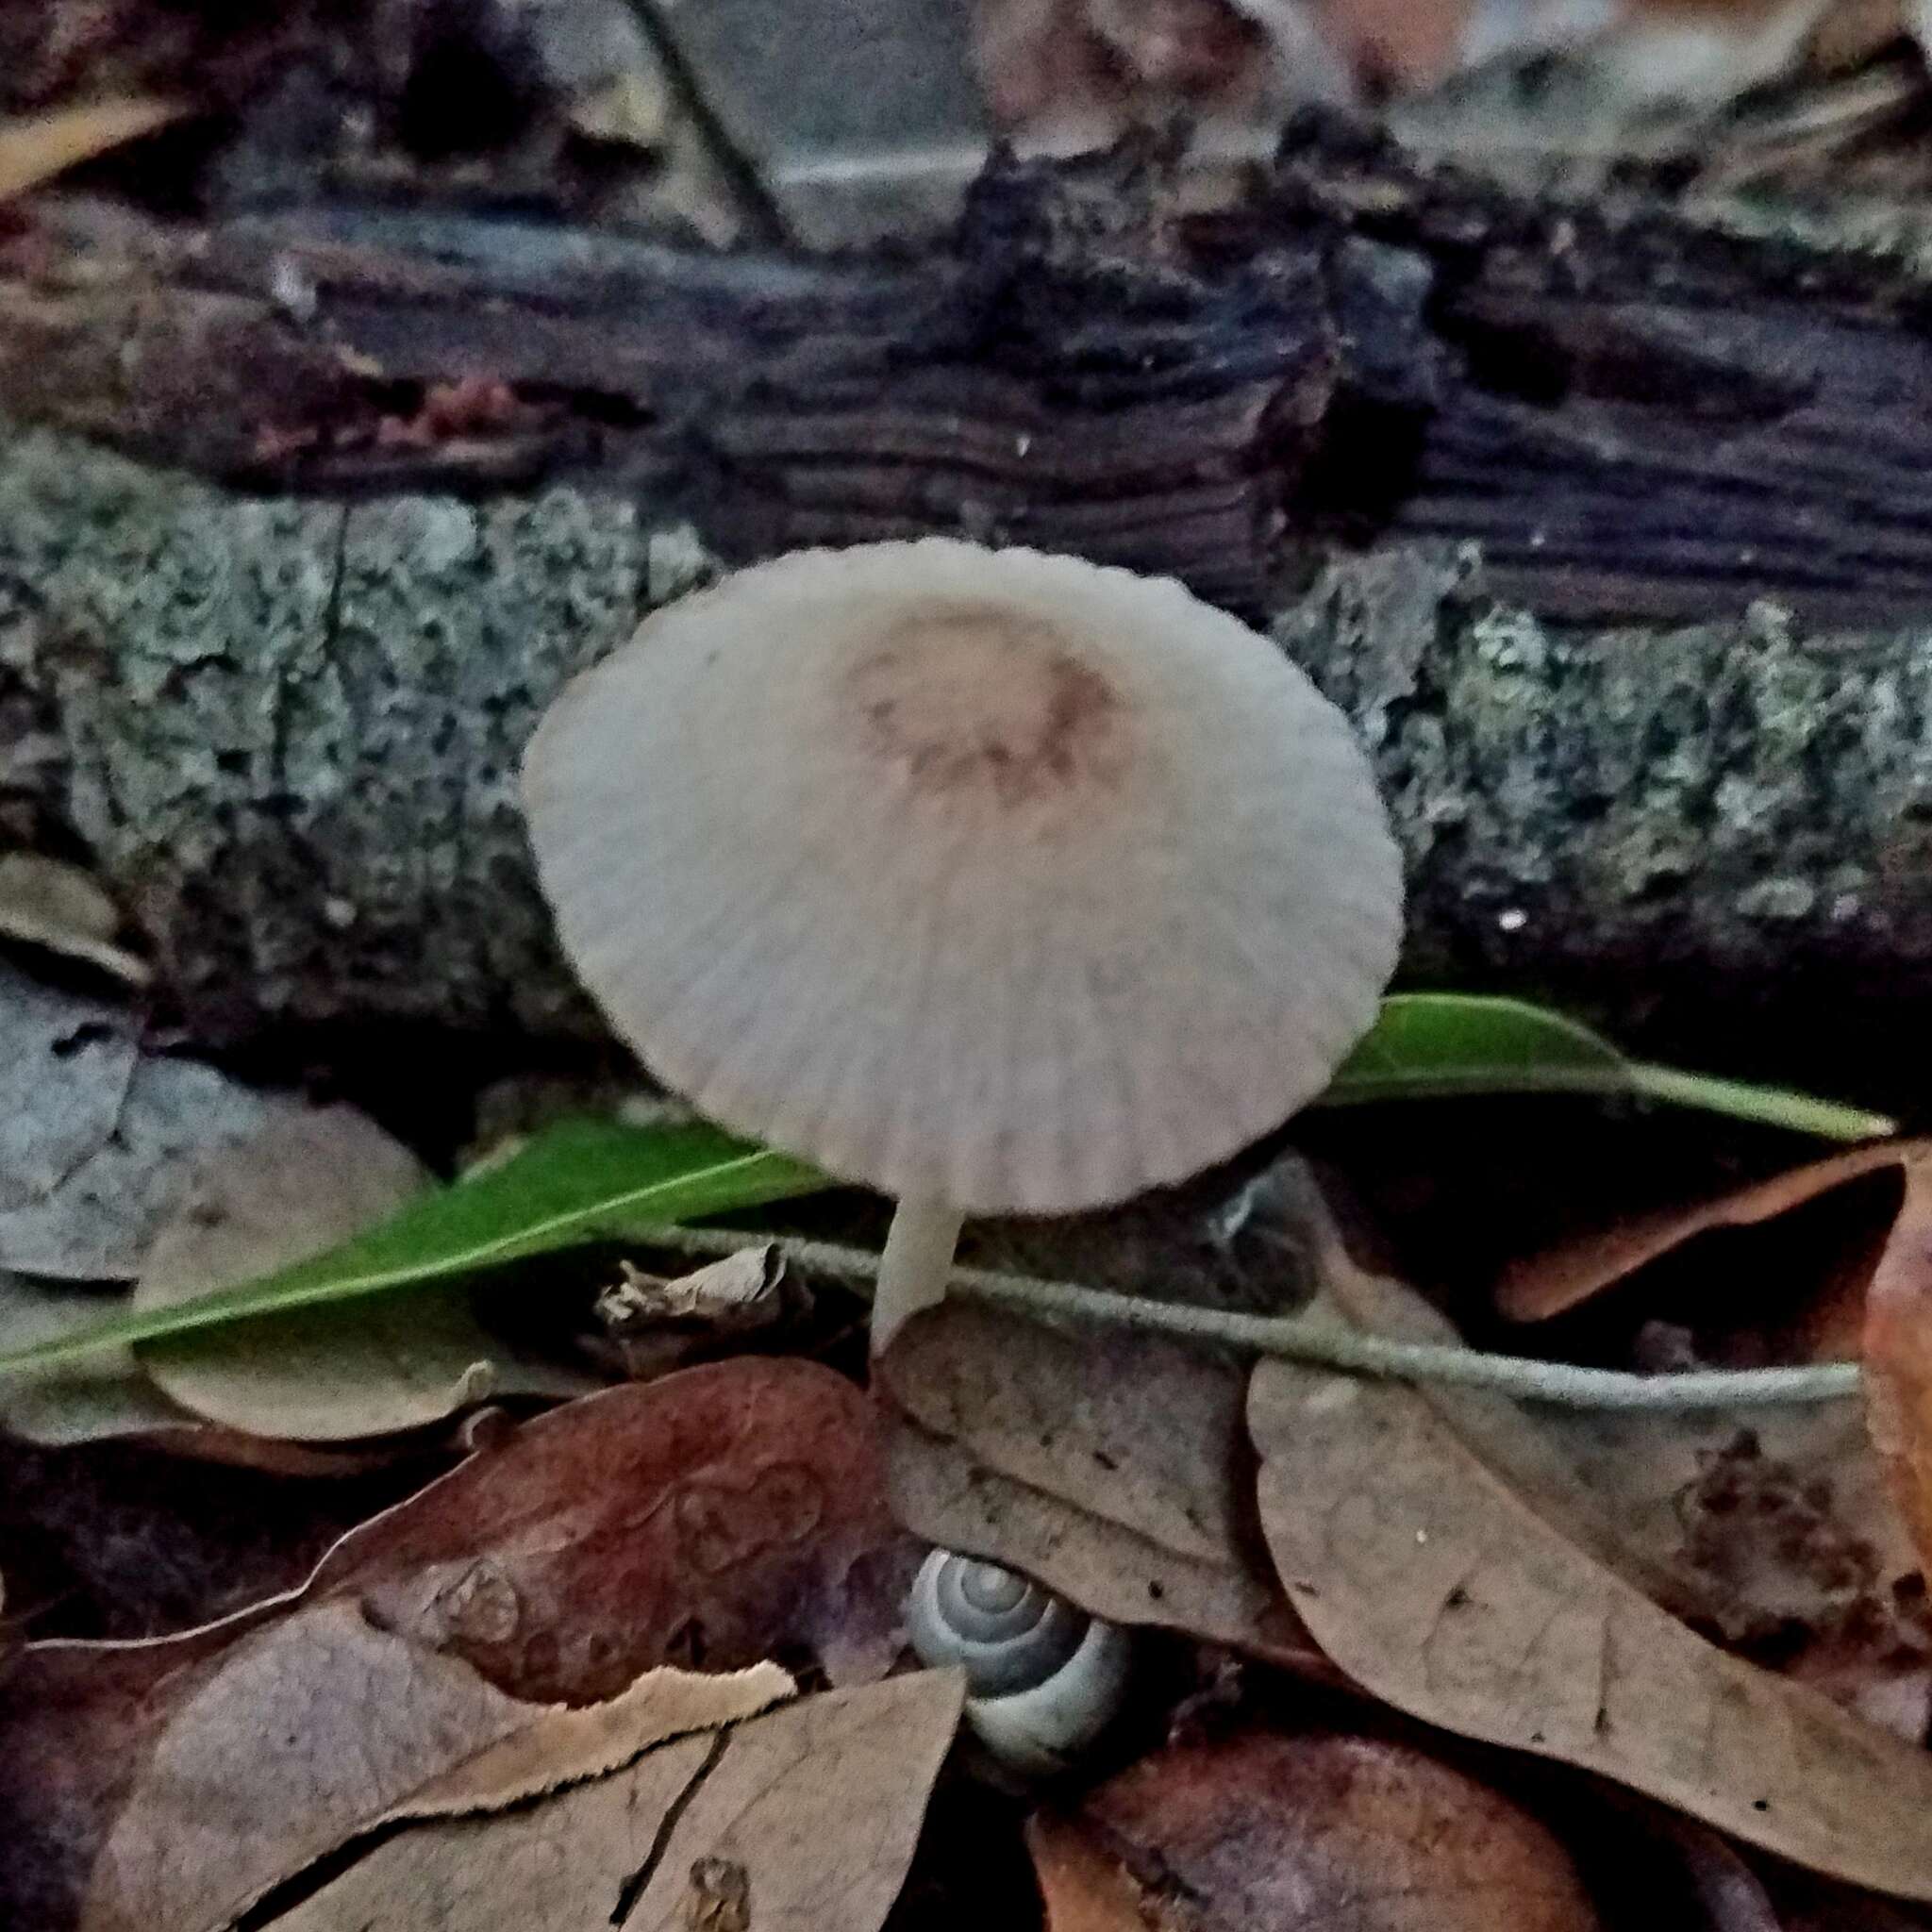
(1316, 1340)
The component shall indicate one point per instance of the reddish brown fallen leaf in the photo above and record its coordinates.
(35, 149)
(1302, 1834)
(1441, 1591)
(1559, 1278)
(720, 1515)
(319, 1727)
(1109, 1466)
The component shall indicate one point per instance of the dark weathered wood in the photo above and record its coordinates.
(1635, 418)
(448, 459)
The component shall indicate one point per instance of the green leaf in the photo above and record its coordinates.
(1432, 1046)
(574, 1182)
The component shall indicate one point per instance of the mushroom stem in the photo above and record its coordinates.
(916, 1265)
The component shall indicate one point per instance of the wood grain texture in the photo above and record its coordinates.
(1657, 733)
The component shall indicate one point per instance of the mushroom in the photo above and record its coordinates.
(998, 881)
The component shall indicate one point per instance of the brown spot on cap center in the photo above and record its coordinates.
(976, 700)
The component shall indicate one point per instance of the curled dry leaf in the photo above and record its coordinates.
(720, 1515)
(1308, 1831)
(306, 1181)
(1108, 1466)
(656, 1324)
(1435, 1586)
(1560, 1278)
(318, 1728)
(809, 1816)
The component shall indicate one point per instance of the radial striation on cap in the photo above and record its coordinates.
(980, 874)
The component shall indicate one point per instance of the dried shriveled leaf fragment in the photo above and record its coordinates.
(808, 1815)
(309, 1181)
(656, 1324)
(1438, 1589)
(1312, 1831)
(320, 1726)
(1109, 1466)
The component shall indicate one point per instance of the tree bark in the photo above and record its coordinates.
(1613, 534)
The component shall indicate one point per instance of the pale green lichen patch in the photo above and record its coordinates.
(1736, 797)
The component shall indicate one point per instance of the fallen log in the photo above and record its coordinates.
(1613, 532)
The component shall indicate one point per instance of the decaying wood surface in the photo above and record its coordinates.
(1667, 729)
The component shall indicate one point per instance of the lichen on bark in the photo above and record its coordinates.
(287, 732)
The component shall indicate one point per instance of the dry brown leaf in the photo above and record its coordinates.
(1853, 31)
(1552, 1282)
(37, 147)
(1440, 1590)
(316, 1728)
(1898, 1356)
(1302, 1834)
(720, 1515)
(658, 1323)
(1769, 1527)
(77, 1719)
(308, 1180)
(1109, 1466)
(569, 1744)
(809, 1815)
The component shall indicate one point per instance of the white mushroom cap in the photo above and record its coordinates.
(983, 876)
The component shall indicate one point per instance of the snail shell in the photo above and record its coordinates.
(1043, 1679)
